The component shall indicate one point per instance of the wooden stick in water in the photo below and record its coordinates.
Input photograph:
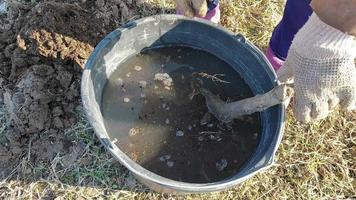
(226, 112)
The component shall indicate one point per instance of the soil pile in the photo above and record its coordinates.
(43, 48)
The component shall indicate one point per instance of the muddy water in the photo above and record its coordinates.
(165, 130)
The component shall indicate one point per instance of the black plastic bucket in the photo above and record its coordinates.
(165, 30)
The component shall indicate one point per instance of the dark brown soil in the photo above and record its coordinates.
(43, 48)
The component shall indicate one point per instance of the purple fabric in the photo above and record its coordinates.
(296, 13)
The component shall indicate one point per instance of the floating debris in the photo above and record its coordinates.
(165, 158)
(133, 131)
(210, 125)
(218, 139)
(167, 121)
(126, 100)
(142, 84)
(212, 137)
(128, 74)
(206, 119)
(164, 105)
(180, 133)
(165, 79)
(221, 165)
(138, 68)
(120, 82)
(190, 127)
(167, 108)
(170, 164)
(143, 95)
(114, 140)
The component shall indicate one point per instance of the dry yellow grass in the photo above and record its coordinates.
(314, 161)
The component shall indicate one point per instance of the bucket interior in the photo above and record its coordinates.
(158, 131)
(168, 129)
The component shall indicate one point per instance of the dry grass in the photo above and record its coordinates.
(314, 161)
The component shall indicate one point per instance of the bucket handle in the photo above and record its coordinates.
(239, 37)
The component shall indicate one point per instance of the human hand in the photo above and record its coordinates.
(191, 8)
(340, 14)
(321, 61)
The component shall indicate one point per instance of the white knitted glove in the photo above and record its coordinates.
(322, 61)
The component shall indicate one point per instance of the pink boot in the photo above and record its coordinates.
(273, 59)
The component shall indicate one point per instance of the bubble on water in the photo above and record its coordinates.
(133, 131)
(142, 84)
(190, 127)
(180, 133)
(200, 138)
(120, 82)
(221, 165)
(138, 68)
(162, 159)
(126, 99)
(170, 164)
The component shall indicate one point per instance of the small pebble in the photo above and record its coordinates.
(126, 100)
(170, 164)
(221, 165)
(138, 68)
(167, 121)
(180, 133)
